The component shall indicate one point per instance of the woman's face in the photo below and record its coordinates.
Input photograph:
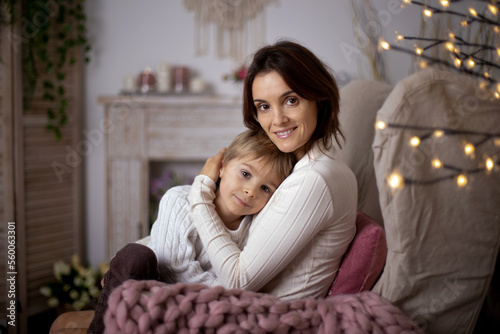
(288, 119)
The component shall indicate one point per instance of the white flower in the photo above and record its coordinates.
(74, 294)
(46, 291)
(53, 302)
(77, 281)
(61, 268)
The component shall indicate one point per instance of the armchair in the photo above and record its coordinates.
(442, 238)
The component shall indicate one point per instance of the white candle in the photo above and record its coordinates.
(129, 83)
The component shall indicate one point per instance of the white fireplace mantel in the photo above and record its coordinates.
(140, 129)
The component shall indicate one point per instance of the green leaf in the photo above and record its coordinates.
(61, 90)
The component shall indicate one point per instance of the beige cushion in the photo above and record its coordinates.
(442, 240)
(359, 102)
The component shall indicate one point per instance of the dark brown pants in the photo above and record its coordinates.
(134, 261)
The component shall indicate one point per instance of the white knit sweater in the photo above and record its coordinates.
(175, 241)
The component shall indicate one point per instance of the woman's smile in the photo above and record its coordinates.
(285, 133)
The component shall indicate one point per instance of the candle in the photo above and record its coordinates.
(146, 80)
(129, 84)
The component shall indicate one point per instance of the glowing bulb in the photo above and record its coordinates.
(451, 35)
(445, 3)
(414, 141)
(496, 141)
(408, 2)
(438, 133)
(395, 180)
(400, 37)
(380, 125)
(470, 63)
(469, 149)
(473, 12)
(449, 46)
(496, 29)
(384, 45)
(498, 87)
(457, 62)
(489, 164)
(498, 52)
(418, 51)
(493, 9)
(497, 96)
(427, 12)
(436, 163)
(461, 180)
(464, 23)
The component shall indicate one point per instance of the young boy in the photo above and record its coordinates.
(252, 169)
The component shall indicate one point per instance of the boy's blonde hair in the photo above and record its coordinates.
(255, 145)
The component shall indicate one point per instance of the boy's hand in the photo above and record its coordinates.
(213, 165)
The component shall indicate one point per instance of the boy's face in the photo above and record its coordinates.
(245, 187)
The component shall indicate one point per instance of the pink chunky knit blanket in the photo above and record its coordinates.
(155, 307)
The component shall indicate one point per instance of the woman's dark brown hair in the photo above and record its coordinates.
(307, 76)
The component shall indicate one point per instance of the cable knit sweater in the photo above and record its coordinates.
(175, 241)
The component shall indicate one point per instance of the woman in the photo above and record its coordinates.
(297, 241)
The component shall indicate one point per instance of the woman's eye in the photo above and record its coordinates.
(262, 107)
(291, 101)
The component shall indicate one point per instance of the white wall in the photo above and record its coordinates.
(129, 35)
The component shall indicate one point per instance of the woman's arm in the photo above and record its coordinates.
(297, 211)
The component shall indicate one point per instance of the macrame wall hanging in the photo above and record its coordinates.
(239, 26)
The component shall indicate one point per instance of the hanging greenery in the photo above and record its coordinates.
(52, 31)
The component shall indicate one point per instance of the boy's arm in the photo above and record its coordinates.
(173, 239)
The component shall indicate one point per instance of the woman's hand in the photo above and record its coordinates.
(213, 165)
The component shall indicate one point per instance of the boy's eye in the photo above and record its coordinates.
(245, 174)
(266, 189)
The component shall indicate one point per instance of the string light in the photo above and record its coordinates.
(438, 133)
(384, 45)
(449, 46)
(496, 141)
(427, 12)
(457, 62)
(419, 51)
(473, 12)
(445, 3)
(436, 163)
(380, 125)
(493, 9)
(469, 149)
(395, 180)
(489, 164)
(462, 180)
(470, 63)
(414, 141)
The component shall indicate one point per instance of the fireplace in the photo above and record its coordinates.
(143, 131)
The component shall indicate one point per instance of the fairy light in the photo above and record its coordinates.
(436, 163)
(384, 45)
(427, 12)
(438, 133)
(445, 3)
(419, 51)
(380, 125)
(496, 141)
(498, 52)
(464, 23)
(469, 149)
(473, 12)
(493, 9)
(449, 46)
(414, 141)
(408, 2)
(423, 64)
(462, 180)
(470, 63)
(395, 180)
(399, 37)
(457, 62)
(489, 164)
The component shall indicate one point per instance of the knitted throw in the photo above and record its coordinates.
(155, 307)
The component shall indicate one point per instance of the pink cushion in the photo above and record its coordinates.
(364, 260)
